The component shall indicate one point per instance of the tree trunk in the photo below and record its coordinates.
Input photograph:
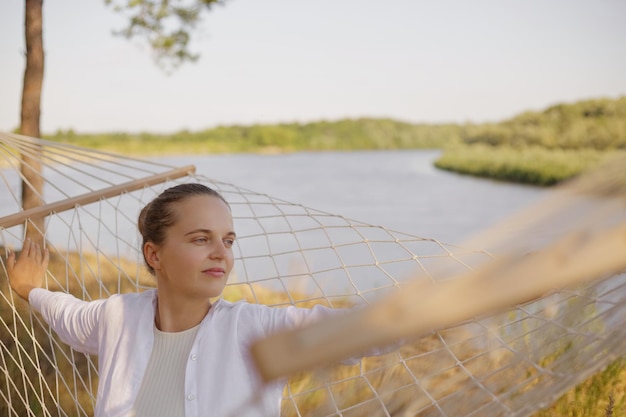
(32, 180)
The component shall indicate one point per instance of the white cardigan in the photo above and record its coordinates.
(219, 377)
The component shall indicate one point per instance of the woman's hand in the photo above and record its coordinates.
(28, 270)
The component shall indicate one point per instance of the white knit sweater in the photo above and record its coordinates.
(219, 376)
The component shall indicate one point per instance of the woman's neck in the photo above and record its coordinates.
(177, 315)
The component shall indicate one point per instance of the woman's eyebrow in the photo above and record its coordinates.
(208, 232)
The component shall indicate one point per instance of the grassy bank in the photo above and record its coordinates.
(531, 165)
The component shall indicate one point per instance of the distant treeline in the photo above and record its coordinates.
(591, 124)
(542, 148)
(350, 134)
(537, 147)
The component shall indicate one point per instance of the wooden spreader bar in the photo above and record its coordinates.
(84, 199)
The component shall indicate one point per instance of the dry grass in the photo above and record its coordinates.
(403, 383)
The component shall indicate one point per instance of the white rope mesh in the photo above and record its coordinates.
(507, 364)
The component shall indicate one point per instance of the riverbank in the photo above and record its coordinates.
(533, 165)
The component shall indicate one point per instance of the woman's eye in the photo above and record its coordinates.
(229, 242)
(200, 240)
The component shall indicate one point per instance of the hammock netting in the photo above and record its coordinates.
(512, 363)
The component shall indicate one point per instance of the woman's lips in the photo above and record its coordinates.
(214, 272)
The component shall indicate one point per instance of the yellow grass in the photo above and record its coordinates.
(353, 390)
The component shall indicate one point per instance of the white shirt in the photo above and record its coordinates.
(219, 377)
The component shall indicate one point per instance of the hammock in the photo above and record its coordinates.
(494, 331)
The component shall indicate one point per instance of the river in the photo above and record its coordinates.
(401, 190)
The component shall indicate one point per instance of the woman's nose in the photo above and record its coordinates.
(218, 250)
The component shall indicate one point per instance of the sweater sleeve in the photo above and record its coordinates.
(75, 321)
(277, 319)
(290, 317)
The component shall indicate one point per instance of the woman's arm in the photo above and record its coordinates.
(28, 270)
(74, 320)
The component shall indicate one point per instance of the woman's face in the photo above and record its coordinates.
(196, 257)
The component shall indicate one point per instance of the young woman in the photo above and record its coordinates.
(169, 351)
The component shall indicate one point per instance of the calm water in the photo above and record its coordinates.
(400, 190)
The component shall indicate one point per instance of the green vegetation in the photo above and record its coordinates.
(531, 165)
(591, 124)
(541, 148)
(346, 135)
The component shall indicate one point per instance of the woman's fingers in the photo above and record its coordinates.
(46, 257)
(27, 271)
(10, 259)
(37, 255)
(26, 248)
(31, 252)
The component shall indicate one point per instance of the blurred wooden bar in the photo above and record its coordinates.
(421, 307)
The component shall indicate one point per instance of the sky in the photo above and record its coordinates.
(280, 61)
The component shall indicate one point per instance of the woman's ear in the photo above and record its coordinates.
(151, 253)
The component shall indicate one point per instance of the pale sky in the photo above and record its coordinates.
(290, 60)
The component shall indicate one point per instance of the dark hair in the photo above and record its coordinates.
(158, 215)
